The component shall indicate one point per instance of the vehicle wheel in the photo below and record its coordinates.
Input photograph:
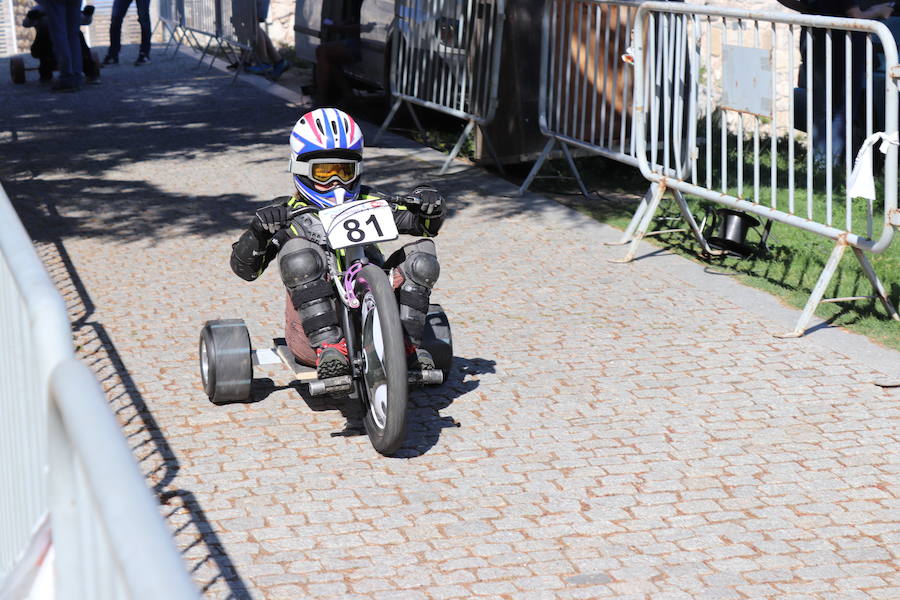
(226, 360)
(384, 361)
(437, 340)
(17, 69)
(93, 70)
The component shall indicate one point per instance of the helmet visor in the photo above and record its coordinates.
(326, 170)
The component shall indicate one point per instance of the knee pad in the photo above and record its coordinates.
(422, 269)
(300, 264)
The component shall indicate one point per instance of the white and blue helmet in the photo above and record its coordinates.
(326, 153)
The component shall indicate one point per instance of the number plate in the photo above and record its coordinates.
(357, 223)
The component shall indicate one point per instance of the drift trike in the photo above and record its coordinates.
(370, 320)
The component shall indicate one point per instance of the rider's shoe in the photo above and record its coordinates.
(332, 361)
(418, 359)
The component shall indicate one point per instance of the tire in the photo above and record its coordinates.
(384, 371)
(226, 361)
(95, 67)
(437, 340)
(17, 70)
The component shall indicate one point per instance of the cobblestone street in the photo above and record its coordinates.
(607, 431)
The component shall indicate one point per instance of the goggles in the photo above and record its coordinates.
(326, 170)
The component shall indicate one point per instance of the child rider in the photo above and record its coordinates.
(326, 154)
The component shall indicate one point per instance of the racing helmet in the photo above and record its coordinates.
(326, 154)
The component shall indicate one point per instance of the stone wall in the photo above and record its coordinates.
(281, 22)
(24, 35)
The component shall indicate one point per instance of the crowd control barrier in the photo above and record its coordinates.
(67, 469)
(753, 81)
(445, 55)
(586, 94)
(227, 25)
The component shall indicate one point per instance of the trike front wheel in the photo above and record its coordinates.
(383, 361)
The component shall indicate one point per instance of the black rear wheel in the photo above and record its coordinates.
(384, 361)
(17, 69)
(437, 339)
(226, 361)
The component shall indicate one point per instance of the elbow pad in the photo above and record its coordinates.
(248, 256)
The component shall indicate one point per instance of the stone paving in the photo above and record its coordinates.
(608, 431)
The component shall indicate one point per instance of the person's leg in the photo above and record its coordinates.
(42, 49)
(265, 51)
(120, 7)
(303, 269)
(91, 68)
(73, 36)
(330, 58)
(415, 271)
(143, 11)
(57, 26)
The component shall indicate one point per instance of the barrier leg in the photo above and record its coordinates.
(492, 151)
(388, 120)
(213, 60)
(548, 147)
(171, 33)
(646, 217)
(178, 45)
(692, 223)
(205, 50)
(635, 219)
(816, 296)
(465, 135)
(415, 119)
(195, 43)
(876, 283)
(240, 64)
(584, 191)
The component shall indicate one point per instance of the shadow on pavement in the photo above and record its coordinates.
(155, 457)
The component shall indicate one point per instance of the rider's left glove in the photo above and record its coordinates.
(269, 219)
(425, 200)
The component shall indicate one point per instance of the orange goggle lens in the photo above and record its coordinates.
(324, 172)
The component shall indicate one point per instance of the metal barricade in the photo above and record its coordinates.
(111, 542)
(585, 88)
(586, 94)
(445, 55)
(738, 70)
(230, 25)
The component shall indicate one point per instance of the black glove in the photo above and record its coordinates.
(88, 10)
(34, 14)
(426, 201)
(270, 219)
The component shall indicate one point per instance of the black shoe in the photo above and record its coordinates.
(109, 61)
(332, 361)
(419, 360)
(142, 59)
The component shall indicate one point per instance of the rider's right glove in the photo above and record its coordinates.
(269, 219)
